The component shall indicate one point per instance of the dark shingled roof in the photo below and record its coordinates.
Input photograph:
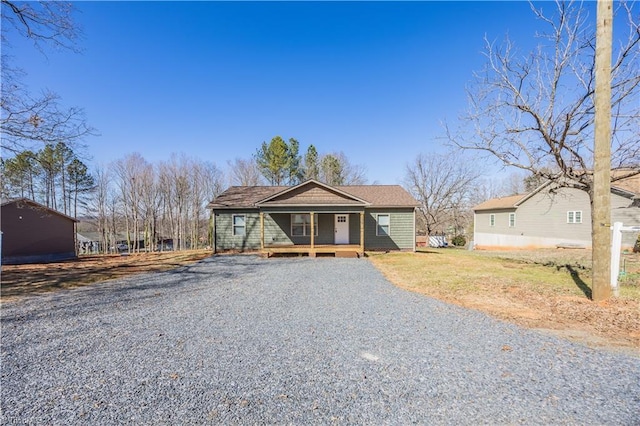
(375, 195)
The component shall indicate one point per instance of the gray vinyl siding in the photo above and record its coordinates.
(544, 215)
(501, 226)
(401, 230)
(277, 229)
(225, 240)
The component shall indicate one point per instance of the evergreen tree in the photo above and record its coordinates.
(331, 170)
(81, 183)
(311, 167)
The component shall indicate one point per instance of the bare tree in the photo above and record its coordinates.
(443, 185)
(538, 110)
(27, 118)
(130, 180)
(244, 172)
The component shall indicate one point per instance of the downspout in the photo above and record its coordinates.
(212, 231)
(414, 230)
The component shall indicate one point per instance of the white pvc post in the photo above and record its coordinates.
(616, 246)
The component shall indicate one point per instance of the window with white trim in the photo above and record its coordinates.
(301, 225)
(239, 225)
(384, 223)
(492, 220)
(512, 220)
(574, 216)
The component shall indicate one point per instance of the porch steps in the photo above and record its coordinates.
(347, 254)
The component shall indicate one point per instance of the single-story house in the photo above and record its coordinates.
(550, 216)
(314, 218)
(33, 233)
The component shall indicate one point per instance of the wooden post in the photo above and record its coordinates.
(262, 231)
(362, 233)
(601, 201)
(313, 230)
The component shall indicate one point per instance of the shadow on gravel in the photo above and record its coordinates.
(575, 276)
(137, 288)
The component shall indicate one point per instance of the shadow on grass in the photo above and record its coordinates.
(426, 251)
(575, 276)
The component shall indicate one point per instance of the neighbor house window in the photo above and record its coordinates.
(512, 220)
(574, 216)
(383, 224)
(301, 225)
(239, 225)
(492, 220)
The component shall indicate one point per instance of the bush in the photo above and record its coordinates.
(459, 240)
(636, 247)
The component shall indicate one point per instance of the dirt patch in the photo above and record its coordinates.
(539, 290)
(21, 280)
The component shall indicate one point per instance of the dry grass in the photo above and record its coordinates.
(542, 289)
(21, 280)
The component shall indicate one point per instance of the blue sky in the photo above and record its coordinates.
(214, 80)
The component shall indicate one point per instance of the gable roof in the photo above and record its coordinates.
(316, 193)
(510, 202)
(628, 187)
(36, 205)
(630, 184)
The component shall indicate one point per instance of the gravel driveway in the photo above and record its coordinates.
(244, 340)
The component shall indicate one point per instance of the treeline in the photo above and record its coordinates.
(139, 206)
(154, 207)
(54, 176)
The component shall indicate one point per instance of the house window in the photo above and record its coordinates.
(301, 225)
(512, 220)
(239, 225)
(574, 216)
(492, 220)
(383, 224)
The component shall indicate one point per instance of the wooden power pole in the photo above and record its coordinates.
(601, 208)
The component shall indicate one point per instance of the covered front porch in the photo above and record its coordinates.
(338, 233)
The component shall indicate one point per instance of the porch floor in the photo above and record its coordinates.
(338, 250)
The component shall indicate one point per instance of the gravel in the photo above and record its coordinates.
(245, 340)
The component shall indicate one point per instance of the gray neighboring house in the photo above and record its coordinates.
(346, 220)
(552, 216)
(33, 233)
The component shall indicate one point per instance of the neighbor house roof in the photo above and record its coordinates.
(628, 187)
(509, 202)
(631, 184)
(370, 195)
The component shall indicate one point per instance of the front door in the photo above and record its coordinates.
(342, 229)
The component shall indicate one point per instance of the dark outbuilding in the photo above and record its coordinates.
(33, 233)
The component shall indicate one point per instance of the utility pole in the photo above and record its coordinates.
(601, 207)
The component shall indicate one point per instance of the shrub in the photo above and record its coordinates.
(636, 247)
(459, 240)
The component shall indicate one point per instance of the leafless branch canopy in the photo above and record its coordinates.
(28, 118)
(442, 184)
(44, 22)
(532, 111)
